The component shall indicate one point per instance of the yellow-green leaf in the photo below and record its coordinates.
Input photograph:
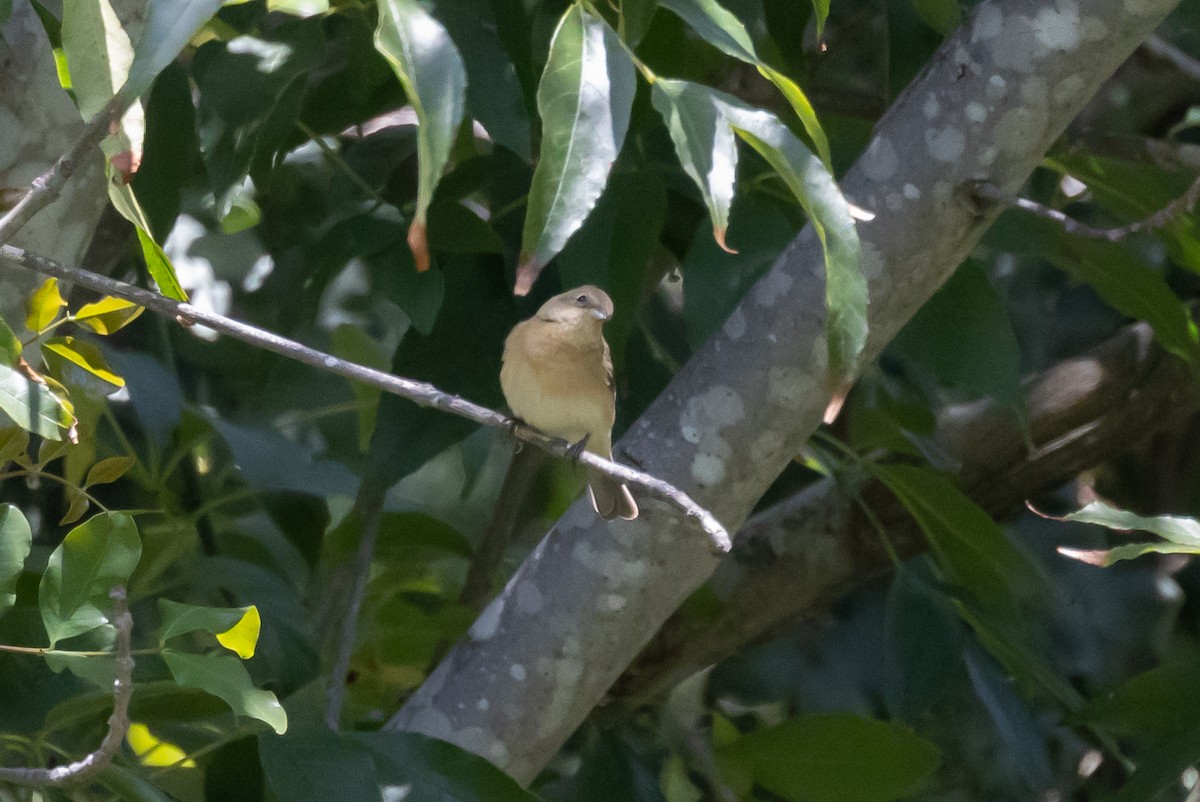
(82, 354)
(154, 751)
(160, 267)
(34, 406)
(10, 346)
(108, 470)
(13, 442)
(108, 314)
(242, 637)
(77, 507)
(44, 306)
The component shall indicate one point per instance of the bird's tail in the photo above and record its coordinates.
(611, 498)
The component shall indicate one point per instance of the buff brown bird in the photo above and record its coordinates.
(558, 377)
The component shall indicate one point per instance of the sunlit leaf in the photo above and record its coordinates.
(108, 470)
(1180, 535)
(10, 346)
(44, 306)
(83, 355)
(807, 759)
(160, 267)
(299, 8)
(77, 505)
(13, 442)
(33, 406)
(15, 542)
(95, 556)
(154, 751)
(236, 629)
(225, 677)
(108, 315)
(585, 97)
(724, 31)
(435, 81)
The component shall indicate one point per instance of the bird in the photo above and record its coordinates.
(557, 376)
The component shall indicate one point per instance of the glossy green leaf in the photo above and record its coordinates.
(10, 346)
(15, 542)
(84, 355)
(169, 27)
(225, 677)
(318, 765)
(44, 306)
(299, 8)
(585, 98)
(108, 470)
(969, 545)
(95, 557)
(108, 315)
(837, 758)
(237, 628)
(98, 52)
(438, 770)
(434, 79)
(1180, 535)
(724, 31)
(33, 406)
(703, 123)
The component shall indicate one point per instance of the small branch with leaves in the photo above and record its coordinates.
(421, 393)
(1161, 218)
(118, 722)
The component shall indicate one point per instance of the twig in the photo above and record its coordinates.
(1182, 62)
(118, 722)
(370, 505)
(47, 186)
(1164, 216)
(421, 393)
(477, 588)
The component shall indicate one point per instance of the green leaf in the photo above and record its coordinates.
(44, 306)
(13, 442)
(108, 470)
(942, 16)
(924, 639)
(837, 758)
(299, 8)
(108, 315)
(83, 355)
(585, 98)
(225, 677)
(1182, 535)
(1159, 703)
(724, 31)
(964, 336)
(15, 542)
(318, 765)
(95, 556)
(170, 26)
(10, 346)
(33, 406)
(98, 52)
(435, 81)
(438, 770)
(1165, 761)
(702, 123)
(160, 267)
(971, 548)
(236, 629)
(352, 343)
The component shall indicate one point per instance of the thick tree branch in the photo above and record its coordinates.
(794, 559)
(118, 722)
(421, 393)
(574, 616)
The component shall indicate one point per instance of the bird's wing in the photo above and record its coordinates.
(608, 370)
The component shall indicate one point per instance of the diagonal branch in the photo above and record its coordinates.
(118, 722)
(46, 187)
(421, 393)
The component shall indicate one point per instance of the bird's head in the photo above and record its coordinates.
(586, 304)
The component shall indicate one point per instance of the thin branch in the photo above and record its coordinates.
(421, 393)
(1181, 61)
(1165, 216)
(47, 187)
(118, 722)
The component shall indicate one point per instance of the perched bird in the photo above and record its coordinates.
(558, 377)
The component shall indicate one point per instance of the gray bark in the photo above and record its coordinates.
(591, 594)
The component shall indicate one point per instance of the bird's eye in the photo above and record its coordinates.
(581, 300)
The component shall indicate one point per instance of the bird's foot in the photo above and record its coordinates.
(511, 426)
(575, 450)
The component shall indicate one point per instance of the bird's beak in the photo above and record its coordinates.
(599, 314)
